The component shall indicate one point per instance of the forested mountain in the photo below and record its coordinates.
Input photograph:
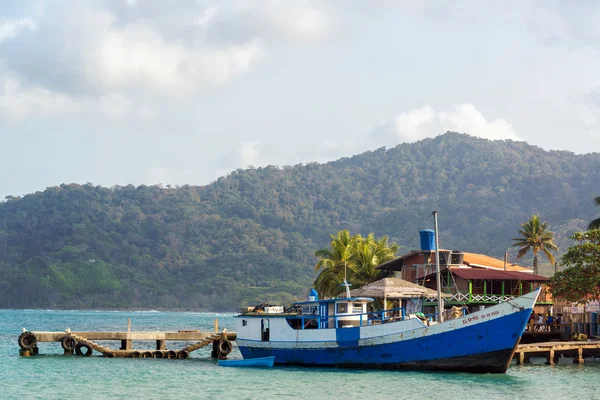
(252, 235)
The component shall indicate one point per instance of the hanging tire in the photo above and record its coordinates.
(27, 341)
(182, 355)
(171, 354)
(225, 347)
(136, 354)
(147, 354)
(68, 343)
(157, 354)
(83, 349)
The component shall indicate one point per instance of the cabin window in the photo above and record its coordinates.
(244, 322)
(357, 308)
(342, 308)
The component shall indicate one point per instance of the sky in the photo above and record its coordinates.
(118, 92)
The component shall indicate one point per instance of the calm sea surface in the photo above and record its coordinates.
(54, 376)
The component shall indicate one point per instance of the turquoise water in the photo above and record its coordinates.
(54, 376)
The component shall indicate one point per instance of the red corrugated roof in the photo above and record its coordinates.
(476, 273)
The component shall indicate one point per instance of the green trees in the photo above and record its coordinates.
(536, 237)
(335, 262)
(595, 224)
(251, 235)
(580, 281)
(353, 257)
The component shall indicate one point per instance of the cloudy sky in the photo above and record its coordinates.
(150, 91)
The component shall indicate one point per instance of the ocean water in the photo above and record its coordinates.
(51, 375)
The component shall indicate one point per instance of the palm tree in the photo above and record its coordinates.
(369, 253)
(352, 258)
(335, 262)
(595, 224)
(536, 237)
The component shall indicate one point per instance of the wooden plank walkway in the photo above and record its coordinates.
(554, 350)
(83, 343)
(179, 336)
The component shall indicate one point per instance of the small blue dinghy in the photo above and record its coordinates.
(264, 362)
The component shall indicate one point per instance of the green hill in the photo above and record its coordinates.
(251, 235)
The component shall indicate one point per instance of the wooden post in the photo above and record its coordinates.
(161, 345)
(470, 290)
(579, 358)
(216, 325)
(215, 349)
(128, 325)
(521, 359)
(550, 359)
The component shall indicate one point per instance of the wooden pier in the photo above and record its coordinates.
(83, 343)
(553, 351)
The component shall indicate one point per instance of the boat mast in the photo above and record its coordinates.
(437, 269)
(346, 284)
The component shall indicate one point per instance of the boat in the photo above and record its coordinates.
(339, 332)
(264, 362)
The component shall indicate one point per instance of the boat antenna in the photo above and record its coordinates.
(437, 269)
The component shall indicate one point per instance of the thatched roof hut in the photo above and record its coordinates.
(394, 288)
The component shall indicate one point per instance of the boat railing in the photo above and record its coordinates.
(349, 319)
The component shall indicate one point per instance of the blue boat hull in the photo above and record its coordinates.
(481, 348)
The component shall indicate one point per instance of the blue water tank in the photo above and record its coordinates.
(313, 295)
(427, 240)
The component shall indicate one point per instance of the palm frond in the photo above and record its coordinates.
(595, 224)
(549, 255)
(523, 251)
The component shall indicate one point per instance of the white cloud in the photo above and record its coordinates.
(137, 56)
(11, 28)
(100, 48)
(17, 102)
(425, 122)
(302, 21)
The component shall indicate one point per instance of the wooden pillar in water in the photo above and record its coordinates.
(215, 349)
(25, 353)
(126, 344)
(550, 358)
(161, 345)
(579, 358)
